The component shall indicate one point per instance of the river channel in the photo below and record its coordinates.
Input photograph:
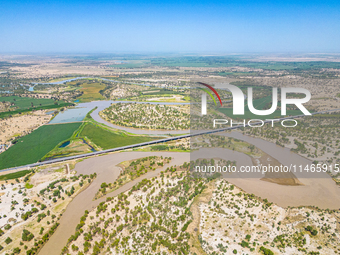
(321, 191)
(79, 112)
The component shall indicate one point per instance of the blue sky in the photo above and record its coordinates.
(169, 26)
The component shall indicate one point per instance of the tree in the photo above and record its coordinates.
(16, 250)
(8, 240)
(266, 251)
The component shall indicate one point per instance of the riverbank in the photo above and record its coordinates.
(319, 192)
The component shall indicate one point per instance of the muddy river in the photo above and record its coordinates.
(318, 190)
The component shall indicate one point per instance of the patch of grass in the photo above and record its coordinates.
(28, 185)
(107, 139)
(91, 91)
(32, 147)
(75, 147)
(15, 175)
(59, 207)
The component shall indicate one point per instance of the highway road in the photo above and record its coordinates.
(192, 134)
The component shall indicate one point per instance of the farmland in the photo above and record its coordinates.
(107, 139)
(32, 147)
(20, 103)
(27, 104)
(91, 91)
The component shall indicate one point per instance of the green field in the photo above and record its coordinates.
(14, 175)
(27, 102)
(32, 147)
(107, 139)
(259, 104)
(91, 91)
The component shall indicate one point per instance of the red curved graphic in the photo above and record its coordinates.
(213, 90)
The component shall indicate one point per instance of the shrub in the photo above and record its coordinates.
(16, 250)
(266, 251)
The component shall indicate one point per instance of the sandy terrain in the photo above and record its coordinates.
(20, 198)
(21, 125)
(223, 216)
(107, 171)
(231, 215)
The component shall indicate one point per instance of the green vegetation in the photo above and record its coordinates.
(20, 103)
(75, 146)
(159, 116)
(10, 113)
(91, 91)
(43, 240)
(28, 185)
(170, 147)
(107, 139)
(132, 170)
(8, 240)
(61, 78)
(266, 251)
(27, 104)
(312, 231)
(160, 92)
(157, 226)
(232, 61)
(36, 145)
(14, 175)
(27, 235)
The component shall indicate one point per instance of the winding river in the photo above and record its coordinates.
(107, 171)
(320, 191)
(79, 112)
(317, 189)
